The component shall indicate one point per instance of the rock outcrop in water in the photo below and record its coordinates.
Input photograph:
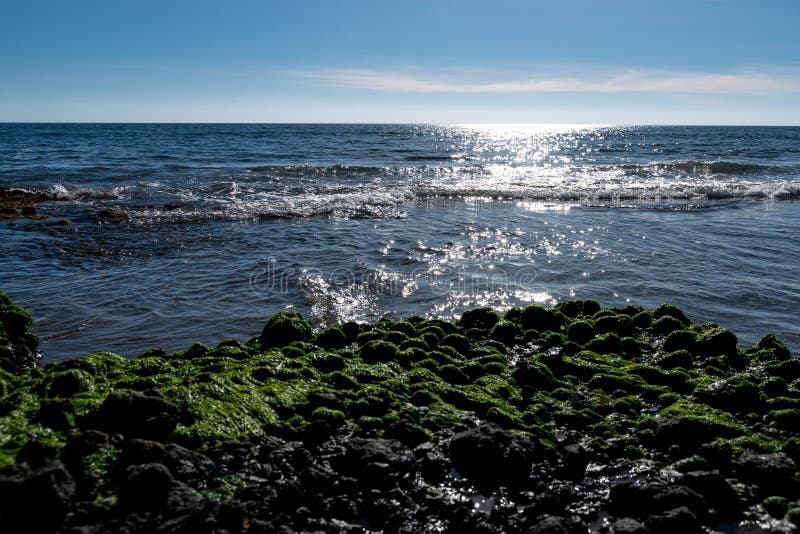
(571, 419)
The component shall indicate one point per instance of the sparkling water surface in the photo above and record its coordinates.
(229, 223)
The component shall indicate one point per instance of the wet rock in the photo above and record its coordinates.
(505, 332)
(492, 456)
(139, 451)
(112, 213)
(717, 341)
(681, 497)
(135, 415)
(145, 488)
(581, 332)
(634, 498)
(770, 471)
(40, 502)
(376, 462)
(56, 414)
(627, 525)
(679, 340)
(676, 520)
(377, 351)
(719, 455)
(684, 432)
(738, 394)
(331, 338)
(716, 491)
(548, 525)
(285, 327)
(406, 432)
(575, 458)
(536, 317)
(673, 360)
(81, 445)
(483, 318)
(776, 506)
(35, 453)
(6, 406)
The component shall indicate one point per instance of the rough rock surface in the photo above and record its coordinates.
(571, 419)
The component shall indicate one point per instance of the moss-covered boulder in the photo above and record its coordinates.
(284, 328)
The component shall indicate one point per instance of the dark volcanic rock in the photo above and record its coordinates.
(719, 455)
(40, 502)
(145, 488)
(492, 456)
(379, 463)
(548, 525)
(717, 492)
(772, 472)
(187, 465)
(634, 498)
(135, 415)
(628, 525)
(673, 521)
(684, 432)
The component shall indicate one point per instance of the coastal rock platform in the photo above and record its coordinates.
(570, 419)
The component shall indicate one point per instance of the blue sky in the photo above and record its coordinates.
(601, 61)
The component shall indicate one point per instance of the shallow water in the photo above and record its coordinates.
(230, 223)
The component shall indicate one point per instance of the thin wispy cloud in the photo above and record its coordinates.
(753, 82)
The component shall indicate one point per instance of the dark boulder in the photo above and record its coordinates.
(41, 501)
(685, 432)
(634, 498)
(716, 491)
(376, 462)
(135, 415)
(627, 525)
(676, 520)
(719, 455)
(483, 318)
(493, 457)
(284, 328)
(771, 472)
(145, 489)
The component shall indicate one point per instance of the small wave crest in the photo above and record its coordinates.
(698, 167)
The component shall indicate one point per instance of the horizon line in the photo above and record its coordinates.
(392, 123)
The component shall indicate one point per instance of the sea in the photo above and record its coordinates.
(161, 235)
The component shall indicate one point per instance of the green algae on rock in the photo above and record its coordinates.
(543, 389)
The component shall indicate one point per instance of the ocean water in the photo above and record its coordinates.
(228, 224)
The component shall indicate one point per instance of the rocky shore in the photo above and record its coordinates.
(570, 419)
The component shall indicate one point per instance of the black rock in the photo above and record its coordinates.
(135, 415)
(673, 497)
(41, 501)
(35, 453)
(672, 521)
(628, 525)
(77, 448)
(684, 432)
(6, 406)
(772, 472)
(145, 488)
(717, 492)
(139, 451)
(548, 525)
(719, 455)
(576, 459)
(492, 456)
(55, 413)
(187, 465)
(378, 463)
(634, 498)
